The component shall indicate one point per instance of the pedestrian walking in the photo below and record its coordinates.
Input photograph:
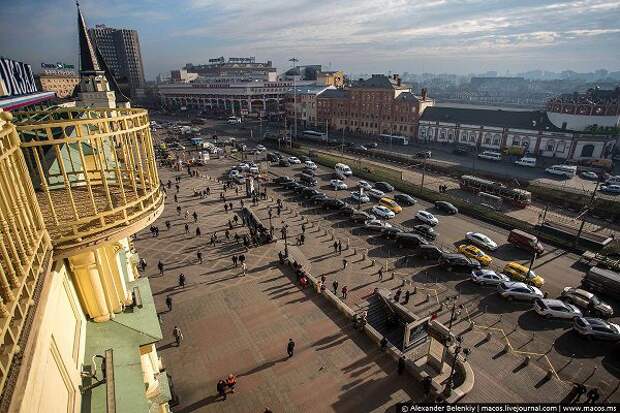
(380, 273)
(230, 206)
(186, 229)
(178, 335)
(198, 233)
(401, 365)
(142, 264)
(302, 238)
(290, 347)
(345, 292)
(179, 210)
(168, 225)
(236, 219)
(221, 389)
(195, 215)
(231, 381)
(407, 294)
(335, 245)
(279, 209)
(237, 238)
(156, 231)
(178, 187)
(244, 269)
(227, 235)
(242, 258)
(169, 303)
(234, 260)
(339, 247)
(186, 214)
(592, 396)
(230, 225)
(335, 285)
(208, 191)
(176, 198)
(160, 267)
(199, 256)
(383, 343)
(344, 263)
(226, 208)
(397, 295)
(182, 280)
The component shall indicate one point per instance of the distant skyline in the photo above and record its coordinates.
(358, 36)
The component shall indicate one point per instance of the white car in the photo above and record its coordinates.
(513, 290)
(243, 167)
(375, 193)
(364, 185)
(254, 170)
(549, 308)
(382, 212)
(260, 148)
(359, 198)
(589, 175)
(233, 173)
(612, 189)
(487, 277)
(310, 165)
(427, 218)
(376, 224)
(338, 184)
(481, 240)
(294, 160)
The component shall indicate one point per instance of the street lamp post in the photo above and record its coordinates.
(457, 351)
(294, 60)
(284, 230)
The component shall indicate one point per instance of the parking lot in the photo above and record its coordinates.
(551, 341)
(574, 358)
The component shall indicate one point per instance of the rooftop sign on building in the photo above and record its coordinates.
(16, 78)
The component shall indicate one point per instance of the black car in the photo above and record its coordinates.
(446, 207)
(332, 203)
(404, 199)
(308, 171)
(361, 216)
(320, 197)
(423, 154)
(309, 192)
(409, 240)
(460, 150)
(283, 162)
(290, 185)
(281, 180)
(390, 233)
(430, 252)
(384, 187)
(371, 145)
(459, 262)
(272, 157)
(296, 186)
(348, 210)
(304, 158)
(426, 231)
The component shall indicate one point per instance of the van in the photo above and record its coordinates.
(308, 179)
(531, 162)
(526, 241)
(562, 170)
(602, 281)
(490, 155)
(343, 169)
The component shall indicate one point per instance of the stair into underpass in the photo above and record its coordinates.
(378, 313)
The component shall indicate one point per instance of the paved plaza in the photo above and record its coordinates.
(241, 325)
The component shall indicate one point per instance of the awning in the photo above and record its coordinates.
(25, 100)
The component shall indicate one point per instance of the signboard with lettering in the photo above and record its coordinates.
(242, 59)
(58, 65)
(16, 78)
(217, 60)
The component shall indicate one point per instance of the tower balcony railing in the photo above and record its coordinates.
(94, 173)
(25, 252)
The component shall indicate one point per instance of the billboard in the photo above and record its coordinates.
(217, 60)
(16, 78)
(58, 65)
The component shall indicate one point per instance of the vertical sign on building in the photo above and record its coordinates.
(16, 78)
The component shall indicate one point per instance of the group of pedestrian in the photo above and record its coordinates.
(344, 291)
(337, 247)
(443, 188)
(399, 293)
(225, 386)
(154, 231)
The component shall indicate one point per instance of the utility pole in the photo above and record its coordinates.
(294, 60)
(423, 172)
(585, 212)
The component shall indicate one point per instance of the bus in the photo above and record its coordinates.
(314, 135)
(515, 196)
(394, 139)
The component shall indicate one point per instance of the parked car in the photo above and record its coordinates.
(596, 328)
(308, 180)
(446, 207)
(589, 175)
(293, 160)
(348, 210)
(309, 171)
(284, 162)
(390, 204)
(430, 252)
(512, 290)
(427, 218)
(404, 199)
(423, 154)
(364, 185)
(551, 308)
(390, 232)
(520, 272)
(426, 231)
(610, 189)
(458, 262)
(305, 158)
(375, 193)
(382, 212)
(337, 184)
(602, 281)
(526, 241)
(376, 224)
(587, 301)
(310, 165)
(490, 156)
(332, 203)
(361, 216)
(272, 157)
(487, 277)
(309, 192)
(476, 253)
(409, 240)
(384, 187)
(261, 147)
(359, 198)
(481, 240)
(318, 198)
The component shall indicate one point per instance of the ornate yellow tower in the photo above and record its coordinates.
(79, 324)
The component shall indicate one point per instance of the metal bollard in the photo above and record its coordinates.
(428, 298)
(471, 326)
(489, 336)
(415, 290)
(526, 360)
(549, 375)
(354, 251)
(373, 262)
(506, 349)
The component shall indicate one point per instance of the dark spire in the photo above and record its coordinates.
(91, 60)
(88, 55)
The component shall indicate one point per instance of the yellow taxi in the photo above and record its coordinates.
(475, 253)
(519, 272)
(390, 204)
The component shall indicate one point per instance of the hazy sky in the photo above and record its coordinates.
(455, 36)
